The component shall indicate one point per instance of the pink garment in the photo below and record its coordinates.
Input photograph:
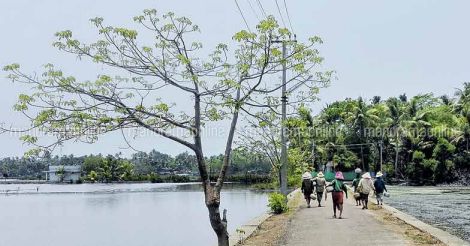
(339, 175)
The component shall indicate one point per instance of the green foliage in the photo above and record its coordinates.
(443, 153)
(277, 202)
(462, 160)
(154, 178)
(92, 176)
(424, 139)
(421, 170)
(60, 173)
(418, 156)
(109, 169)
(388, 168)
(246, 167)
(126, 170)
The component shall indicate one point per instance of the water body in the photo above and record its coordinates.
(446, 208)
(117, 214)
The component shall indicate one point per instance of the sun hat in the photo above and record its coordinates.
(379, 174)
(366, 175)
(320, 175)
(357, 170)
(339, 175)
(307, 175)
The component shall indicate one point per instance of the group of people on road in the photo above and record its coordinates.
(363, 187)
(311, 185)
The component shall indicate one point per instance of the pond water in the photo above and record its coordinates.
(445, 207)
(117, 214)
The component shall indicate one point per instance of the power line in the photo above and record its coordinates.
(241, 13)
(252, 9)
(288, 17)
(279, 10)
(262, 9)
(350, 145)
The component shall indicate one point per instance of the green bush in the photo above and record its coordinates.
(277, 202)
(389, 169)
(265, 186)
(154, 178)
(294, 181)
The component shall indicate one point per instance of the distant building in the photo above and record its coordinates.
(63, 173)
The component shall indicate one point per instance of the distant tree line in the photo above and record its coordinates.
(153, 166)
(423, 139)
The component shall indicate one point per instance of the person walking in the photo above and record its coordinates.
(337, 194)
(379, 185)
(320, 187)
(355, 184)
(307, 186)
(364, 188)
(357, 170)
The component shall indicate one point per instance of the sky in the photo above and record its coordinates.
(376, 47)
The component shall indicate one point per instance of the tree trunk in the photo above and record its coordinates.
(396, 159)
(213, 196)
(212, 200)
(218, 223)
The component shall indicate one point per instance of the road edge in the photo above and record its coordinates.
(439, 234)
(244, 231)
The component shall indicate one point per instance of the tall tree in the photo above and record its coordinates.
(397, 116)
(217, 86)
(362, 119)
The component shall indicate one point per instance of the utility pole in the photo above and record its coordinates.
(362, 158)
(313, 154)
(283, 172)
(381, 147)
(283, 123)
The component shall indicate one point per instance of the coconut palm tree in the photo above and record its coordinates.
(362, 119)
(397, 116)
(463, 133)
(463, 98)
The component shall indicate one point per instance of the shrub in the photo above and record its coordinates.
(277, 202)
(429, 166)
(154, 178)
(294, 181)
(265, 186)
(389, 169)
(462, 160)
(176, 179)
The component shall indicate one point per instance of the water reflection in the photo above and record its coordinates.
(122, 214)
(102, 201)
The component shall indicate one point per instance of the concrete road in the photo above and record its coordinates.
(315, 226)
